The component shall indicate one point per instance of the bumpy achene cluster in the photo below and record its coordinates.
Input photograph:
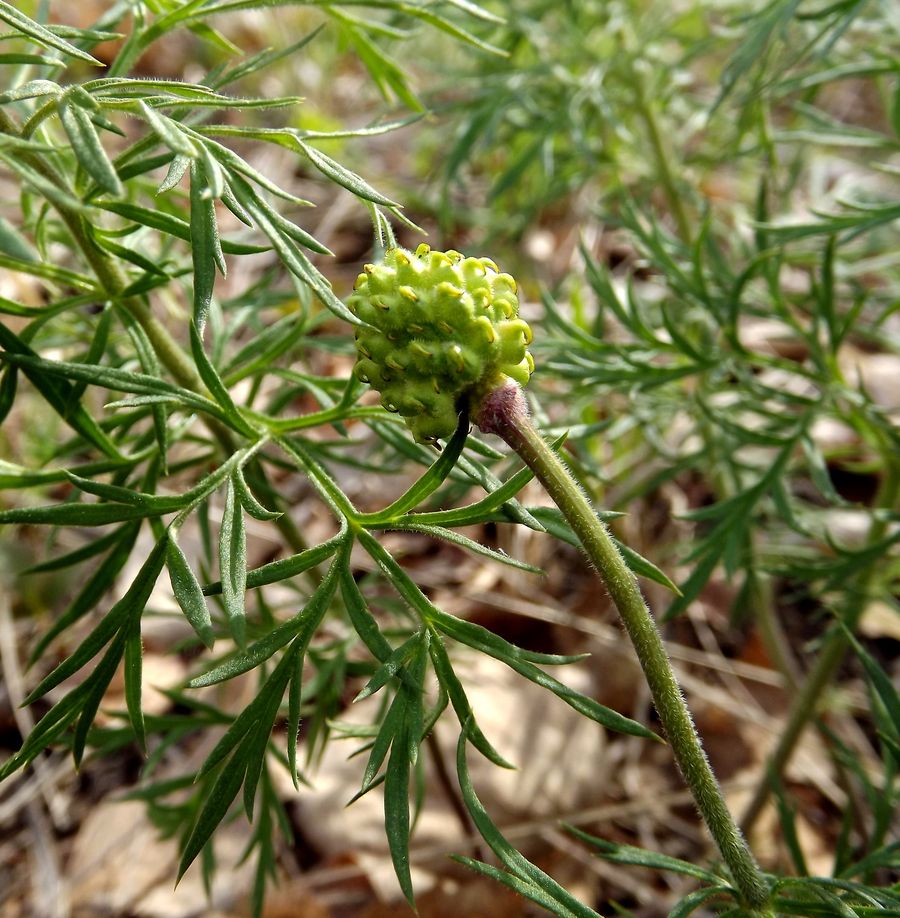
(445, 330)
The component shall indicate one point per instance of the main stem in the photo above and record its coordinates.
(503, 412)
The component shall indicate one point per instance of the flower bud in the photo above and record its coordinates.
(442, 331)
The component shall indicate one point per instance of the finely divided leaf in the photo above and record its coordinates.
(284, 568)
(57, 392)
(233, 563)
(128, 608)
(217, 388)
(122, 541)
(206, 250)
(133, 670)
(303, 624)
(641, 857)
(40, 35)
(456, 693)
(428, 483)
(515, 862)
(187, 591)
(87, 147)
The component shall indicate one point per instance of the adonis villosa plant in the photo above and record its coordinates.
(160, 399)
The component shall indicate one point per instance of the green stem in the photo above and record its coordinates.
(503, 412)
(662, 157)
(835, 646)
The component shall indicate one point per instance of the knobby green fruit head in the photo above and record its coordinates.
(442, 332)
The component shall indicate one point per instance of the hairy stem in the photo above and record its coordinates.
(504, 413)
(834, 649)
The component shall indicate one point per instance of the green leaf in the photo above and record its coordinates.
(295, 698)
(788, 819)
(96, 687)
(303, 623)
(133, 670)
(690, 903)
(128, 608)
(76, 556)
(524, 888)
(249, 732)
(515, 862)
(217, 388)
(244, 196)
(444, 25)
(168, 131)
(340, 175)
(41, 35)
(9, 384)
(257, 739)
(145, 264)
(109, 378)
(122, 542)
(170, 224)
(391, 667)
(381, 746)
(888, 856)
(33, 89)
(87, 147)
(485, 641)
(396, 804)
(448, 535)
(13, 243)
(456, 693)
(521, 661)
(57, 193)
(404, 751)
(187, 590)
(178, 165)
(294, 260)
(79, 514)
(206, 251)
(57, 393)
(285, 568)
(47, 730)
(475, 513)
(362, 619)
(233, 564)
(327, 488)
(245, 722)
(150, 366)
(428, 483)
(152, 503)
(479, 12)
(879, 679)
(645, 568)
(249, 502)
(401, 581)
(387, 75)
(215, 807)
(51, 272)
(257, 62)
(641, 857)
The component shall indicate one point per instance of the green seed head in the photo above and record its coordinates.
(445, 331)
